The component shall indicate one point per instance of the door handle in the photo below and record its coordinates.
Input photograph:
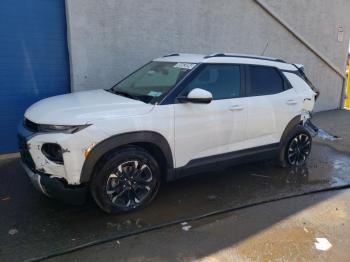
(291, 102)
(236, 107)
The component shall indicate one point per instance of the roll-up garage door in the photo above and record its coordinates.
(33, 60)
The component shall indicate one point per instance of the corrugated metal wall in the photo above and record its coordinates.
(33, 60)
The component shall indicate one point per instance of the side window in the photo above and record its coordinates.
(223, 81)
(264, 81)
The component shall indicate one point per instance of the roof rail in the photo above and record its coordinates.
(171, 55)
(245, 56)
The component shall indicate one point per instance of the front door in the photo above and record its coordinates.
(203, 130)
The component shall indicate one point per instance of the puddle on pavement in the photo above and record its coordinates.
(45, 225)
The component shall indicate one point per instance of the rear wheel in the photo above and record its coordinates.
(128, 179)
(297, 148)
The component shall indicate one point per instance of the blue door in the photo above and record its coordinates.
(33, 60)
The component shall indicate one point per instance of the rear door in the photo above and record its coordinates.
(203, 130)
(272, 104)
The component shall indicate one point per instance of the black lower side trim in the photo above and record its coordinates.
(222, 161)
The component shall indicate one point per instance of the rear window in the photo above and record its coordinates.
(264, 81)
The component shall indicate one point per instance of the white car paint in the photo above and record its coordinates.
(200, 93)
(269, 115)
(160, 121)
(207, 129)
(192, 130)
(84, 108)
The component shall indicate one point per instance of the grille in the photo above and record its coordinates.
(25, 155)
(31, 126)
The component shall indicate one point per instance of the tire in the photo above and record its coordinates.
(296, 148)
(126, 180)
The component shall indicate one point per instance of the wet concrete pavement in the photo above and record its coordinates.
(44, 226)
(307, 228)
(337, 122)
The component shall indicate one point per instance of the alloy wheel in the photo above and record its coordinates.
(130, 184)
(298, 150)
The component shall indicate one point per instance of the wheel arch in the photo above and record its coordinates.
(153, 142)
(290, 126)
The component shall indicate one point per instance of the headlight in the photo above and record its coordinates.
(61, 128)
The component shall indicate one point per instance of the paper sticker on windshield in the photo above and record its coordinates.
(188, 66)
(154, 93)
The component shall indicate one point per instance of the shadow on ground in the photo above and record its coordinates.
(284, 230)
(45, 226)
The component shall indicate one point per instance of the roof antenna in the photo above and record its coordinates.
(266, 46)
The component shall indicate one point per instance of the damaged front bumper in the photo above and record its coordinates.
(56, 188)
(57, 154)
(48, 177)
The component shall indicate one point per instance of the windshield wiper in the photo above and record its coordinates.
(125, 94)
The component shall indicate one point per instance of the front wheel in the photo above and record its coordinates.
(297, 148)
(128, 179)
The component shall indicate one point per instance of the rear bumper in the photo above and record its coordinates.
(56, 188)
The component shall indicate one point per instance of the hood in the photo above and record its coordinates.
(84, 108)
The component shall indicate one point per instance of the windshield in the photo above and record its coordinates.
(153, 81)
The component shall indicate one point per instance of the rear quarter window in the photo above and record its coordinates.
(264, 80)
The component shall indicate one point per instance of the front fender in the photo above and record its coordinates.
(119, 140)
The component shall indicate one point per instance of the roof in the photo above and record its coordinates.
(227, 58)
(185, 58)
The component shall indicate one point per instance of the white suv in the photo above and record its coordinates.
(177, 115)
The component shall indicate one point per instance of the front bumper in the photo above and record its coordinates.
(51, 183)
(56, 188)
(35, 179)
(73, 148)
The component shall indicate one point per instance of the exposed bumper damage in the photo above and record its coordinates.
(72, 151)
(306, 116)
(320, 133)
(60, 179)
(56, 188)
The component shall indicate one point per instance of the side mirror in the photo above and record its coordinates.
(197, 95)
